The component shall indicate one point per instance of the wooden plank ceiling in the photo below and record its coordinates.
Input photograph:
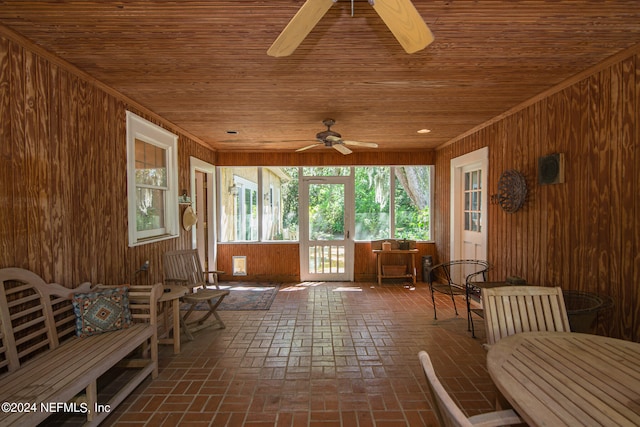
(203, 64)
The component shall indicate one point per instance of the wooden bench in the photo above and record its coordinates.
(45, 369)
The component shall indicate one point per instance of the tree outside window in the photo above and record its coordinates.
(390, 202)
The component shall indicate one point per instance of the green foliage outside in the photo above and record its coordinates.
(372, 205)
(412, 219)
(372, 186)
(150, 183)
(326, 212)
(289, 191)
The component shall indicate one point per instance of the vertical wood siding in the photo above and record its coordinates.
(580, 235)
(281, 261)
(63, 175)
(324, 157)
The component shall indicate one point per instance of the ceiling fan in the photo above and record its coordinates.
(400, 16)
(333, 139)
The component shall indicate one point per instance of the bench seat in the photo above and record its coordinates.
(68, 372)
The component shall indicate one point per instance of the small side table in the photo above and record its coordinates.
(172, 298)
(408, 252)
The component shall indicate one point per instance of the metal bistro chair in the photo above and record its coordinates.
(449, 414)
(509, 310)
(183, 267)
(453, 278)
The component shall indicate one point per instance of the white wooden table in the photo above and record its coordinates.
(568, 379)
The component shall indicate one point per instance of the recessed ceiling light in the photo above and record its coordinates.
(233, 132)
(424, 131)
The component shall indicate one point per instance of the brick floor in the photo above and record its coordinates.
(325, 354)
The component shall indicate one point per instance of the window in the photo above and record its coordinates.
(258, 204)
(472, 199)
(245, 209)
(393, 202)
(152, 182)
(390, 202)
(373, 207)
(412, 202)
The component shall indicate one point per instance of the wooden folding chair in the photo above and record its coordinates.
(183, 267)
(509, 310)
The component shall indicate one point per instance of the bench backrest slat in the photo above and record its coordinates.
(26, 318)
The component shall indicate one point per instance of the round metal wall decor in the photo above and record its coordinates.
(512, 190)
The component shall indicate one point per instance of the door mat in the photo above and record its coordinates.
(243, 296)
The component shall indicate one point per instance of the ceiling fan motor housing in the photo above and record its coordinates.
(322, 137)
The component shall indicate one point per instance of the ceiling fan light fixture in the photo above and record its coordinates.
(423, 131)
(333, 139)
(328, 136)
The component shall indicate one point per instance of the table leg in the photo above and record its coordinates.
(176, 325)
(413, 268)
(379, 266)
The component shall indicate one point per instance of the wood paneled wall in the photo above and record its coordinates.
(324, 157)
(63, 173)
(583, 234)
(365, 260)
(281, 261)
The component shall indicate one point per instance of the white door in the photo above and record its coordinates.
(469, 205)
(326, 244)
(472, 230)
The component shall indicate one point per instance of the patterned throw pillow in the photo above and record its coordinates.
(101, 311)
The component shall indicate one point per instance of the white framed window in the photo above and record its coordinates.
(246, 209)
(152, 182)
(389, 201)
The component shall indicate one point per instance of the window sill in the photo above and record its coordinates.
(154, 239)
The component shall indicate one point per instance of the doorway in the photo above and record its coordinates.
(203, 233)
(469, 205)
(326, 244)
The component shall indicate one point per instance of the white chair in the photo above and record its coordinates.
(510, 310)
(450, 415)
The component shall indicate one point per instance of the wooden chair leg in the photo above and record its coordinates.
(202, 322)
(212, 311)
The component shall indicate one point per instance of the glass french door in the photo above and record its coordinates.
(326, 224)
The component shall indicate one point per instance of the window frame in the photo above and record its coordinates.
(301, 174)
(241, 216)
(141, 129)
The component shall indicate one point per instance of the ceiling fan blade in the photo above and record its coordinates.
(361, 144)
(405, 23)
(299, 27)
(337, 140)
(341, 148)
(309, 146)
